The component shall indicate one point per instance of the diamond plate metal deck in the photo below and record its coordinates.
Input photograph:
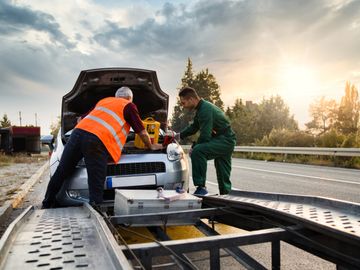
(63, 238)
(334, 215)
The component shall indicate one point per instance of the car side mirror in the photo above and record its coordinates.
(48, 140)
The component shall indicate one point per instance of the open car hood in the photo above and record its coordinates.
(95, 84)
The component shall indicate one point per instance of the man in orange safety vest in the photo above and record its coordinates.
(102, 133)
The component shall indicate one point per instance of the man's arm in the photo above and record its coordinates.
(131, 116)
(189, 130)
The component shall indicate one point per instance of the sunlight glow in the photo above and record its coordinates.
(296, 80)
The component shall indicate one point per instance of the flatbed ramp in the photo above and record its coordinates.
(63, 238)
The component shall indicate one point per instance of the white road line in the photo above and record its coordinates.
(298, 175)
(211, 183)
(215, 184)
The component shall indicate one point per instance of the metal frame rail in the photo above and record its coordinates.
(62, 238)
(327, 228)
(319, 151)
(341, 152)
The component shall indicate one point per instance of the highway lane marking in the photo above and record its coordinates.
(215, 184)
(298, 175)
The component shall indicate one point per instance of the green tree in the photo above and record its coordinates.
(349, 110)
(273, 113)
(182, 117)
(323, 113)
(5, 122)
(188, 78)
(251, 121)
(242, 116)
(206, 86)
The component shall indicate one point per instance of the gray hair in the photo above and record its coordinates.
(124, 92)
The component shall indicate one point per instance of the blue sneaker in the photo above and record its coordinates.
(200, 191)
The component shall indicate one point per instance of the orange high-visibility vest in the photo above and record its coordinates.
(107, 122)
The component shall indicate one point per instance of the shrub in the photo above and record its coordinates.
(331, 138)
(290, 138)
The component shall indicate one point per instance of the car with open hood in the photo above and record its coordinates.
(137, 168)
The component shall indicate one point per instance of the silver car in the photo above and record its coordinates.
(137, 168)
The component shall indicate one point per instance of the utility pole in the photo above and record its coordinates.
(35, 119)
(20, 117)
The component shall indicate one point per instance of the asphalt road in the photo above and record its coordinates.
(278, 177)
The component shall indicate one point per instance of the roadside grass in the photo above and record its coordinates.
(6, 160)
(12, 191)
(334, 161)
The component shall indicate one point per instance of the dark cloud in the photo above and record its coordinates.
(15, 19)
(179, 34)
(174, 38)
(78, 37)
(215, 28)
(24, 65)
(221, 13)
(176, 35)
(167, 11)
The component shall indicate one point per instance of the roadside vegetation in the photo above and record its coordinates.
(7, 160)
(15, 169)
(269, 123)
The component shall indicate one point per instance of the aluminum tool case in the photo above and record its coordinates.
(134, 202)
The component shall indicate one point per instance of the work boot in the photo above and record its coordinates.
(48, 205)
(201, 191)
(45, 206)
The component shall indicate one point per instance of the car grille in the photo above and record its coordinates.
(136, 168)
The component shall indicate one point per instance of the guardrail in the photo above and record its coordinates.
(345, 152)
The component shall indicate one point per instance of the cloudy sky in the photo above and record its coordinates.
(298, 49)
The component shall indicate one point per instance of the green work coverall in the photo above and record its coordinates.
(216, 141)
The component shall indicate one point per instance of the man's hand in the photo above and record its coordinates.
(156, 146)
(146, 139)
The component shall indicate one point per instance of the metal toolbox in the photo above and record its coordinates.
(134, 202)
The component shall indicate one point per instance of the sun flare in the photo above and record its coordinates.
(297, 79)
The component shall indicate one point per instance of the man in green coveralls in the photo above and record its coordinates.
(216, 141)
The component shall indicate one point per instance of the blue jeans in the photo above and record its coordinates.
(81, 144)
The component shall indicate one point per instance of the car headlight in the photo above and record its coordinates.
(174, 152)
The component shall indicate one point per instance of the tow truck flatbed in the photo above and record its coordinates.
(324, 227)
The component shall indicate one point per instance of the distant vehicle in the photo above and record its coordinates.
(137, 168)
